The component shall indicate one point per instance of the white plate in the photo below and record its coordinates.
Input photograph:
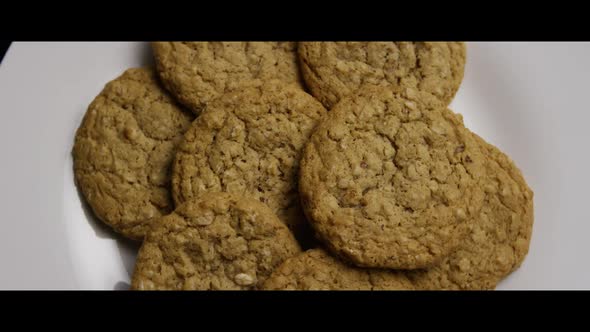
(529, 99)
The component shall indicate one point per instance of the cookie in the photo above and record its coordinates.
(123, 151)
(501, 235)
(198, 72)
(389, 179)
(315, 269)
(218, 241)
(250, 142)
(333, 70)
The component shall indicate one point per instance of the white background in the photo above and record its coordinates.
(529, 99)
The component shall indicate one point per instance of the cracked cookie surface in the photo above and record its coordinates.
(333, 70)
(196, 73)
(124, 148)
(388, 179)
(218, 241)
(250, 142)
(501, 235)
(315, 269)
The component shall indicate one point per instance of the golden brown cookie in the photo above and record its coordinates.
(250, 142)
(218, 241)
(198, 72)
(315, 269)
(333, 70)
(124, 148)
(501, 234)
(389, 179)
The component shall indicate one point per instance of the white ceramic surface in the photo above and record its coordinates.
(529, 99)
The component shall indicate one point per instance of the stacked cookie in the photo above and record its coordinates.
(311, 165)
